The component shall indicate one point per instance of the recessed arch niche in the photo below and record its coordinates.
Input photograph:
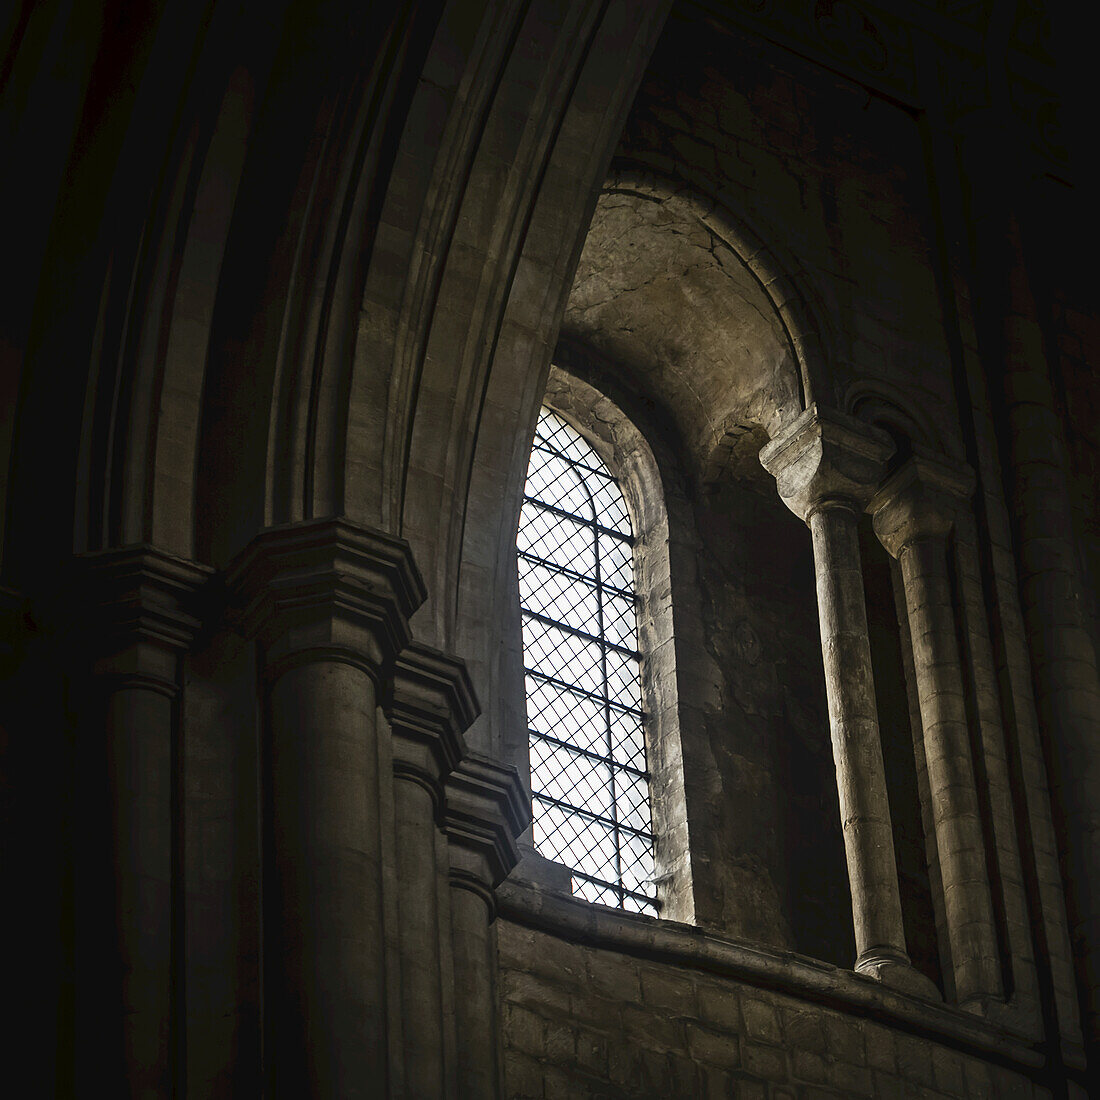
(686, 321)
(696, 304)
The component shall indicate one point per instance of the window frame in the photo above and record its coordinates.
(629, 438)
(616, 812)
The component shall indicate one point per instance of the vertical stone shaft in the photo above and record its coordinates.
(950, 772)
(913, 517)
(486, 808)
(1052, 581)
(472, 913)
(140, 771)
(827, 467)
(329, 602)
(324, 967)
(857, 749)
(421, 966)
(139, 630)
(432, 702)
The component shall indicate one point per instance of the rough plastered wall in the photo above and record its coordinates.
(585, 1022)
(778, 875)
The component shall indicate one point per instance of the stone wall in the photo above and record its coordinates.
(584, 1021)
(288, 280)
(830, 178)
(832, 184)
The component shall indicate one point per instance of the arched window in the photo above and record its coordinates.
(589, 782)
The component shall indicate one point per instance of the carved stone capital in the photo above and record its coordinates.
(430, 705)
(825, 459)
(919, 501)
(140, 608)
(327, 586)
(485, 809)
(140, 591)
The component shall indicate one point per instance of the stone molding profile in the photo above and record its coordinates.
(430, 705)
(138, 609)
(919, 501)
(141, 592)
(327, 585)
(485, 809)
(531, 905)
(824, 458)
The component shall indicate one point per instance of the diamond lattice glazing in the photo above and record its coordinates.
(580, 635)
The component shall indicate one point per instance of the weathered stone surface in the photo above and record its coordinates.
(784, 1047)
(823, 458)
(285, 281)
(914, 512)
(827, 468)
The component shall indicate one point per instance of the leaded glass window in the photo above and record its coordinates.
(589, 784)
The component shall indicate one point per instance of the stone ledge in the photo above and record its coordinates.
(139, 592)
(430, 704)
(781, 972)
(485, 808)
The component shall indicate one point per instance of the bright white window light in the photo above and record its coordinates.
(589, 784)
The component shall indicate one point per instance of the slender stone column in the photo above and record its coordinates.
(141, 622)
(827, 466)
(486, 809)
(329, 602)
(432, 703)
(914, 513)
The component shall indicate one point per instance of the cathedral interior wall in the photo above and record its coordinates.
(581, 1020)
(292, 286)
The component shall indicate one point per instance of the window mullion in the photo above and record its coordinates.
(557, 682)
(562, 513)
(588, 753)
(562, 804)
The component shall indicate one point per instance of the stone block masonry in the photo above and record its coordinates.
(586, 1021)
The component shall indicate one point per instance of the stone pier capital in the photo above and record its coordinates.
(140, 608)
(429, 706)
(327, 586)
(486, 808)
(826, 459)
(919, 501)
(143, 591)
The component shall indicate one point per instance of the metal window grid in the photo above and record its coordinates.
(589, 782)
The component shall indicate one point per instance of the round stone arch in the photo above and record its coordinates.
(472, 411)
(701, 320)
(885, 406)
(787, 285)
(686, 292)
(713, 436)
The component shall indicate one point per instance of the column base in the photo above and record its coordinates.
(896, 972)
